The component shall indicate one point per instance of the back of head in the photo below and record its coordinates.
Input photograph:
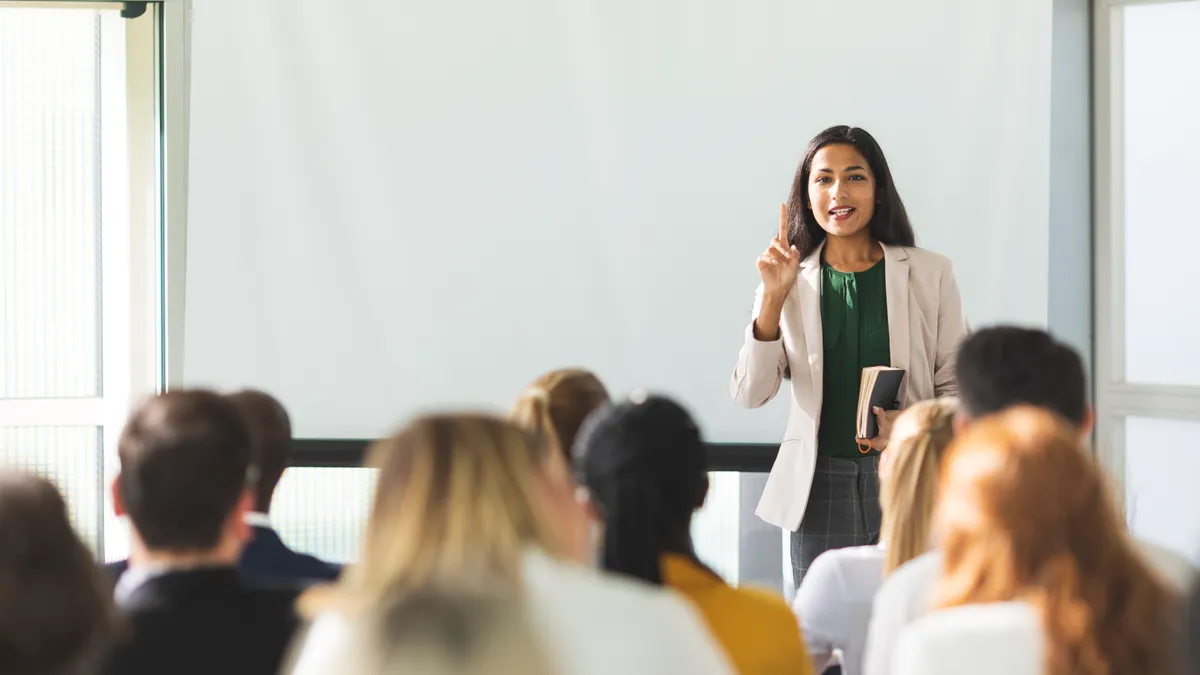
(55, 607)
(644, 463)
(185, 456)
(457, 503)
(1025, 514)
(555, 405)
(446, 632)
(271, 436)
(908, 489)
(1005, 366)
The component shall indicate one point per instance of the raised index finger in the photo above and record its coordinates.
(783, 224)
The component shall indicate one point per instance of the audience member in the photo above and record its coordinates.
(834, 600)
(1025, 514)
(998, 368)
(185, 465)
(1188, 652)
(56, 614)
(266, 559)
(474, 503)
(555, 405)
(438, 632)
(644, 468)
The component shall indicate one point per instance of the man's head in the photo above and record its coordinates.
(271, 436)
(185, 456)
(1005, 366)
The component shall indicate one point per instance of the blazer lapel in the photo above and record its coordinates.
(896, 273)
(809, 288)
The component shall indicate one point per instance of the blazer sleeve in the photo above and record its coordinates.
(952, 329)
(760, 365)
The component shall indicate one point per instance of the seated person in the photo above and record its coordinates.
(265, 558)
(644, 467)
(997, 368)
(833, 602)
(184, 475)
(1026, 515)
(56, 611)
(442, 632)
(476, 503)
(555, 405)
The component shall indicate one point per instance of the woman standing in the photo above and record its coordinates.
(843, 288)
(835, 601)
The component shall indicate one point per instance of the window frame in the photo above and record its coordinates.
(1116, 398)
(131, 239)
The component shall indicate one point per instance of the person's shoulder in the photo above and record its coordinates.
(553, 576)
(323, 644)
(910, 584)
(604, 595)
(765, 605)
(1170, 565)
(839, 563)
(924, 259)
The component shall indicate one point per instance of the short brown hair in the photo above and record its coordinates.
(185, 456)
(56, 610)
(271, 436)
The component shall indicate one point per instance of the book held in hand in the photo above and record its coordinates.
(879, 388)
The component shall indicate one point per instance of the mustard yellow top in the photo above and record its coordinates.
(756, 628)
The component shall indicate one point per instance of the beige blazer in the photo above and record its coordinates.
(925, 325)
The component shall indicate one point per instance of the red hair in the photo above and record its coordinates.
(1026, 514)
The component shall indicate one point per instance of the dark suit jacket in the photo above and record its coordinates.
(266, 560)
(203, 622)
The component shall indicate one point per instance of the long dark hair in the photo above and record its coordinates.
(56, 608)
(644, 463)
(890, 223)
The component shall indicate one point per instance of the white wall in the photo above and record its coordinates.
(398, 205)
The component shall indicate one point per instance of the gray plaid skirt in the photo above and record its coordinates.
(843, 510)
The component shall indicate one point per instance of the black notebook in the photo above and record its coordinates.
(880, 387)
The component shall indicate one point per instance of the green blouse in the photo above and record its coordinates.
(855, 330)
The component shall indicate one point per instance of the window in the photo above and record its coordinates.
(78, 262)
(1148, 382)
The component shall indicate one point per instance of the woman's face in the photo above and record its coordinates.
(841, 190)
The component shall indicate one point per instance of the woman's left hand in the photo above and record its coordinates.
(885, 419)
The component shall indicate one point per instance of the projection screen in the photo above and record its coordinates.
(402, 206)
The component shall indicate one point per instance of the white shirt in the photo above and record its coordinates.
(999, 638)
(591, 624)
(258, 519)
(905, 596)
(833, 604)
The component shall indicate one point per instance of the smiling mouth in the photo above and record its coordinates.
(842, 212)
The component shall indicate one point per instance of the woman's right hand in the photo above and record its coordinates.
(780, 263)
(778, 267)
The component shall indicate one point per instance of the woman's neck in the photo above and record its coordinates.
(855, 253)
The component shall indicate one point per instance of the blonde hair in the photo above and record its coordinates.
(443, 632)
(555, 405)
(908, 492)
(455, 506)
(1025, 514)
